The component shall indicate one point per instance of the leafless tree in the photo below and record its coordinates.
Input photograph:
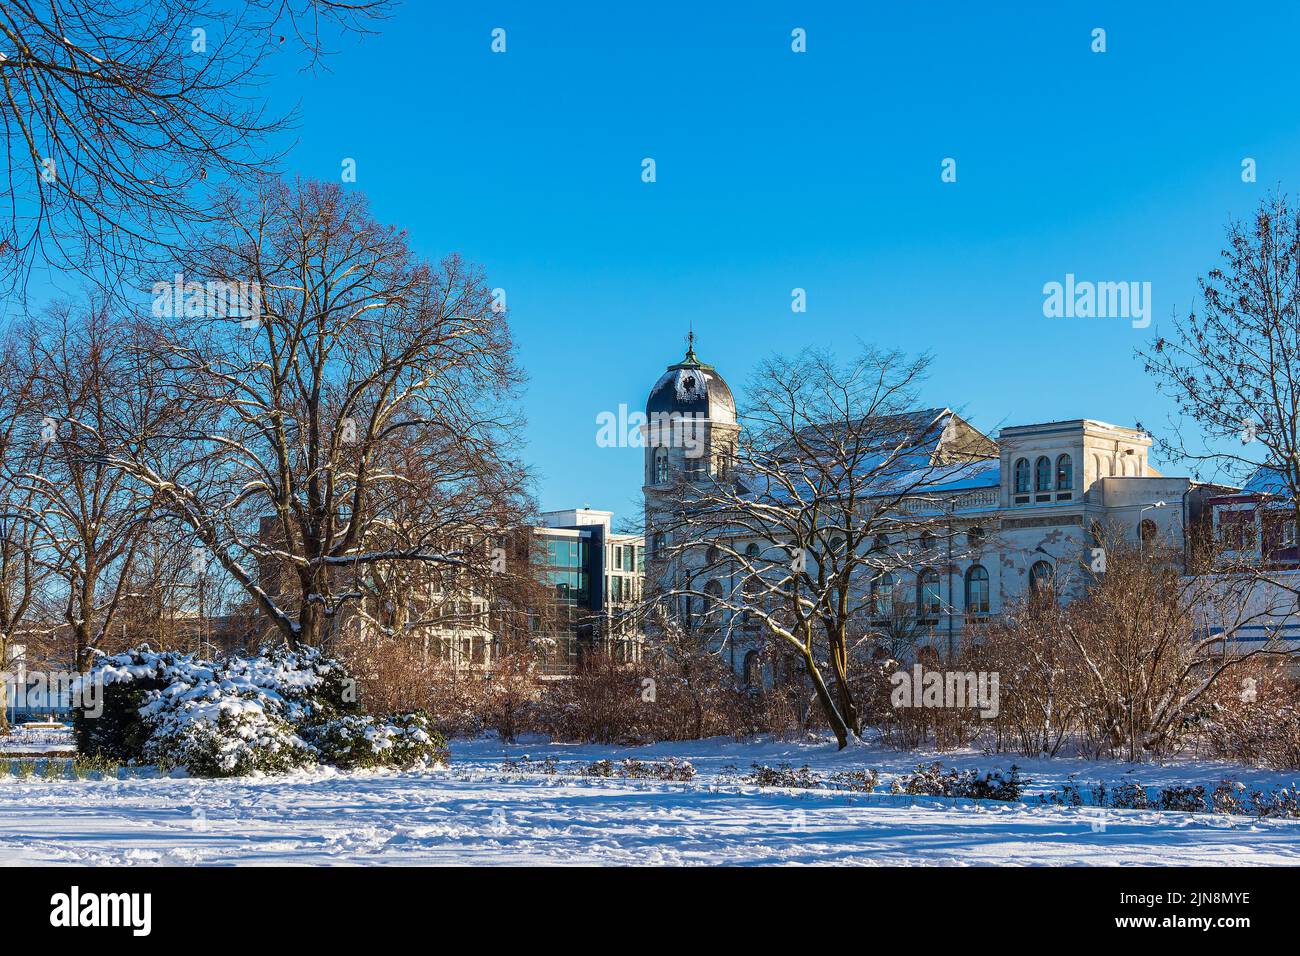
(120, 115)
(838, 488)
(1231, 367)
(21, 573)
(89, 516)
(290, 410)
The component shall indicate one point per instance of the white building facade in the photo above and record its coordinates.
(1042, 498)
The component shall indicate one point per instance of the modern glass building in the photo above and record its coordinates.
(596, 576)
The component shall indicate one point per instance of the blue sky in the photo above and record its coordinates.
(818, 170)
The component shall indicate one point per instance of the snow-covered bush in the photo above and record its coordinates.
(232, 745)
(401, 741)
(931, 780)
(269, 713)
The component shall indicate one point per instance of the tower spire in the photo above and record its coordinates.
(690, 343)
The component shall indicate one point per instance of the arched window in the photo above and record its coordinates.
(927, 592)
(1022, 476)
(1147, 532)
(1043, 474)
(837, 544)
(712, 556)
(1041, 579)
(927, 542)
(752, 672)
(1064, 473)
(712, 603)
(975, 536)
(661, 466)
(882, 594)
(880, 542)
(752, 550)
(977, 590)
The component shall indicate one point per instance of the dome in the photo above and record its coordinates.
(692, 388)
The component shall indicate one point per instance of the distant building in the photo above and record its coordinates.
(597, 576)
(589, 578)
(1036, 499)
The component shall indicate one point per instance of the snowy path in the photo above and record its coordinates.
(474, 813)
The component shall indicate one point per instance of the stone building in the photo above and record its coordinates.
(1032, 505)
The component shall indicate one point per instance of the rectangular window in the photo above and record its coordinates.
(1237, 530)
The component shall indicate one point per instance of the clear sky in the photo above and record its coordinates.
(819, 170)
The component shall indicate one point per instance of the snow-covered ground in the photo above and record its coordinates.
(473, 812)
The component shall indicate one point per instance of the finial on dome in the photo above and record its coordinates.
(690, 344)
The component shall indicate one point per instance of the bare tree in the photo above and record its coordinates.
(837, 487)
(120, 115)
(1231, 368)
(89, 516)
(290, 410)
(21, 573)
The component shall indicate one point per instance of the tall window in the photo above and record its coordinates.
(1041, 577)
(927, 592)
(712, 603)
(977, 590)
(753, 672)
(661, 466)
(1064, 473)
(882, 594)
(1022, 476)
(657, 544)
(723, 463)
(1043, 474)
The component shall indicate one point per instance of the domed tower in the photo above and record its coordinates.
(691, 435)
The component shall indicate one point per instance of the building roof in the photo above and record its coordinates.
(692, 388)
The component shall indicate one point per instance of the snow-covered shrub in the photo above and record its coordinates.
(118, 732)
(525, 764)
(629, 769)
(1184, 799)
(931, 780)
(1130, 796)
(783, 775)
(269, 713)
(234, 744)
(856, 781)
(1284, 802)
(1227, 797)
(401, 741)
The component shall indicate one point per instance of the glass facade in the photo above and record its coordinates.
(566, 570)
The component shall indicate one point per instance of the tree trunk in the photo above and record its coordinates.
(840, 671)
(837, 723)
